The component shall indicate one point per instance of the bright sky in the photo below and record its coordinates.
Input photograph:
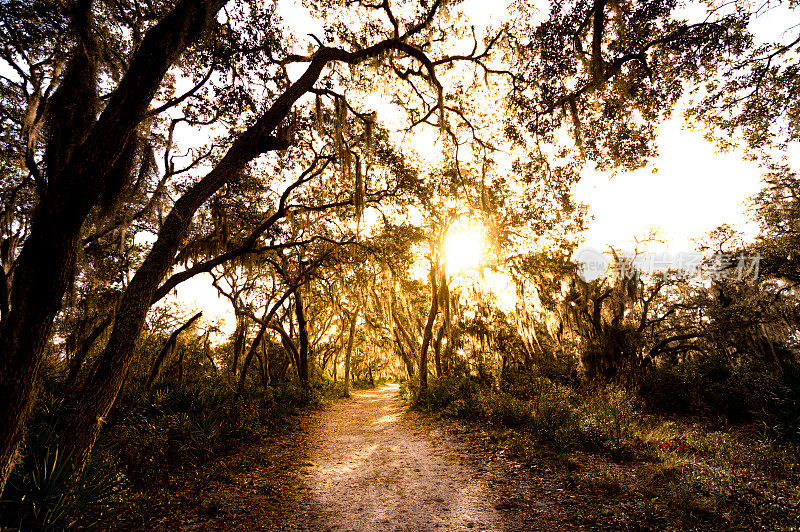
(693, 190)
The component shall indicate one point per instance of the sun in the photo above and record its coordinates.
(464, 247)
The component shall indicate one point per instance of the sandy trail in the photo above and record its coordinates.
(371, 468)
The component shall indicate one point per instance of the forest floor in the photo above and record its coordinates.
(370, 463)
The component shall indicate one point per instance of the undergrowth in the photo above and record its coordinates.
(688, 472)
(146, 438)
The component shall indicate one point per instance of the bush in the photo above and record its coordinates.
(607, 422)
(506, 410)
(43, 493)
(550, 414)
(667, 390)
(556, 422)
(749, 391)
(781, 410)
(442, 393)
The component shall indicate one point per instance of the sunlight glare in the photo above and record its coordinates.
(464, 247)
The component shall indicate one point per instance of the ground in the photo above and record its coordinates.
(369, 463)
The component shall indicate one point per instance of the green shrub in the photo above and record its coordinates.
(556, 417)
(44, 493)
(441, 393)
(607, 421)
(550, 414)
(748, 391)
(781, 410)
(506, 410)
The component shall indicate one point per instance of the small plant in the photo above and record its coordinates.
(46, 493)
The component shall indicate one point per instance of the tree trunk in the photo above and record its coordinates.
(263, 360)
(168, 348)
(400, 330)
(437, 347)
(76, 363)
(207, 353)
(45, 267)
(289, 347)
(407, 360)
(448, 323)
(335, 364)
(302, 332)
(182, 351)
(101, 392)
(428, 332)
(349, 351)
(239, 339)
(259, 340)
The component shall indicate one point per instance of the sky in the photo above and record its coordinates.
(687, 191)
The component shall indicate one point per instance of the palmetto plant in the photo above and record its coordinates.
(45, 495)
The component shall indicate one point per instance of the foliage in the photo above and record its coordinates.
(745, 393)
(551, 414)
(46, 494)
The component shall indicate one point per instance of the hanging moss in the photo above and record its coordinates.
(358, 199)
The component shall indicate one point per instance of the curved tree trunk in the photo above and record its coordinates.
(101, 391)
(407, 360)
(259, 341)
(168, 348)
(46, 263)
(78, 358)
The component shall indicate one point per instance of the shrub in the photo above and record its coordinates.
(441, 393)
(556, 417)
(781, 410)
(667, 390)
(607, 422)
(749, 391)
(43, 493)
(551, 414)
(506, 410)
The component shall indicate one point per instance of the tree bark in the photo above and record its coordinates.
(289, 347)
(46, 263)
(302, 333)
(349, 351)
(239, 339)
(101, 392)
(263, 360)
(437, 348)
(259, 340)
(407, 360)
(448, 324)
(428, 332)
(169, 346)
(76, 363)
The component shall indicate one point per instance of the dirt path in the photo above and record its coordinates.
(369, 463)
(370, 468)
